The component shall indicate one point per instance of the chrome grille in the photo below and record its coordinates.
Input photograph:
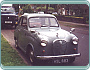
(59, 47)
(61, 42)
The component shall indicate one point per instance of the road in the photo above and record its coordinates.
(83, 48)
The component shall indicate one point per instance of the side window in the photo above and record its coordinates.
(24, 22)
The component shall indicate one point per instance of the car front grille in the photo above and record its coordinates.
(7, 17)
(59, 47)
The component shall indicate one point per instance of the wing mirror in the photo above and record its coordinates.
(72, 30)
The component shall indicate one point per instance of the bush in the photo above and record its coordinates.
(44, 8)
(27, 9)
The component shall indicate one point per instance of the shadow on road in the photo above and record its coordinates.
(52, 64)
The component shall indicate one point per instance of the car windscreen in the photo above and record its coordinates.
(7, 11)
(36, 22)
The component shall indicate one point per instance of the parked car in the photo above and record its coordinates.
(8, 16)
(55, 13)
(41, 38)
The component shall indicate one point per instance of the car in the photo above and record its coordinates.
(40, 37)
(8, 17)
(55, 13)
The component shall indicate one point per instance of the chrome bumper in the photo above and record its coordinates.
(59, 56)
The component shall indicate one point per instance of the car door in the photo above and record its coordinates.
(19, 27)
(23, 33)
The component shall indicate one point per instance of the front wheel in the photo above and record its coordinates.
(31, 56)
(16, 44)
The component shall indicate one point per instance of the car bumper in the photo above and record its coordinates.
(59, 56)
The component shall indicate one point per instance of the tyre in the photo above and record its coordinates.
(72, 60)
(31, 56)
(16, 44)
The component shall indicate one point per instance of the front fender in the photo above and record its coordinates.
(30, 46)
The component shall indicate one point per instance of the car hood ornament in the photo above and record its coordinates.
(56, 34)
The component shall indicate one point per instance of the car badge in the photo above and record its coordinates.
(8, 17)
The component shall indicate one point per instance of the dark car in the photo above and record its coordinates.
(8, 16)
(41, 38)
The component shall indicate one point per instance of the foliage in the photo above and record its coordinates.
(27, 9)
(16, 6)
(79, 9)
(74, 17)
(68, 24)
(44, 8)
(9, 57)
(54, 6)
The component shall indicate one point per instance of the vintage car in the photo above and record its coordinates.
(8, 17)
(41, 38)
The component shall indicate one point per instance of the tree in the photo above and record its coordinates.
(27, 9)
(79, 9)
(54, 6)
(46, 8)
(16, 7)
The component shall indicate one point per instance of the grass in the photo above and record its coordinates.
(9, 56)
(75, 17)
(49, 8)
(72, 25)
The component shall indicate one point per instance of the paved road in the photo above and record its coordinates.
(83, 47)
(82, 34)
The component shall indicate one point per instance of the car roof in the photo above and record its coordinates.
(37, 15)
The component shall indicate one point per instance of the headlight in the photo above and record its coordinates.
(44, 40)
(43, 43)
(75, 40)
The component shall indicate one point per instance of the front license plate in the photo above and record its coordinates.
(8, 21)
(61, 61)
